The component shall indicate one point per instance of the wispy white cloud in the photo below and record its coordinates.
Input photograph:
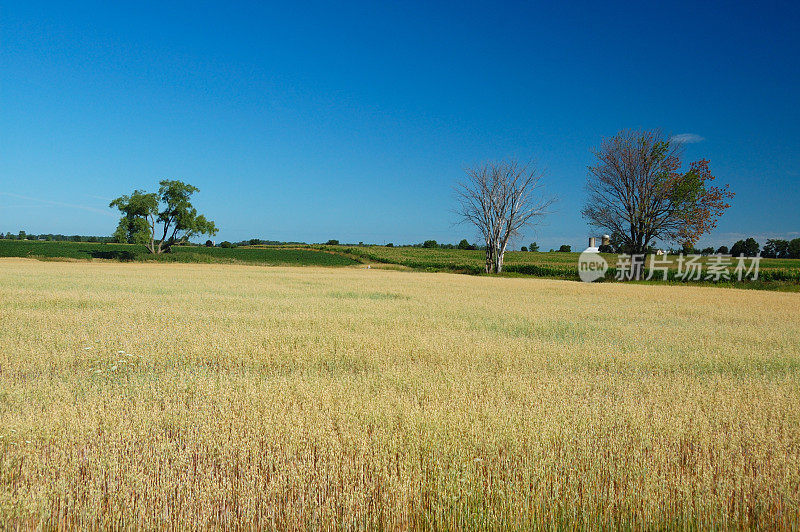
(98, 197)
(58, 203)
(687, 138)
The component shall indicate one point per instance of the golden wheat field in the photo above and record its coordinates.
(216, 396)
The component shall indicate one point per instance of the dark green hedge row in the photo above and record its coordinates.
(198, 254)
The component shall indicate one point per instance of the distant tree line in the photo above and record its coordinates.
(775, 248)
(432, 244)
(463, 244)
(782, 249)
(260, 242)
(427, 244)
(22, 235)
(254, 242)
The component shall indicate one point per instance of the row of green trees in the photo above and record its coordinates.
(775, 248)
(782, 249)
(22, 235)
(463, 244)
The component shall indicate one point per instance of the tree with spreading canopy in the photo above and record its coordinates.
(464, 244)
(500, 198)
(794, 248)
(748, 248)
(776, 248)
(638, 191)
(162, 219)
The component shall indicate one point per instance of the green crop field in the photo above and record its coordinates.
(272, 256)
(539, 264)
(783, 274)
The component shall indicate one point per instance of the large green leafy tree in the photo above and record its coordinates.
(794, 248)
(776, 248)
(161, 220)
(748, 248)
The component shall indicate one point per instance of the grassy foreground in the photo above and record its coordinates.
(185, 395)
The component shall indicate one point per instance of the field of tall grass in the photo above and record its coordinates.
(198, 396)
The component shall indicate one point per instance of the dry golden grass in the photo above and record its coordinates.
(201, 396)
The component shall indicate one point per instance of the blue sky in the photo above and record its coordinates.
(353, 120)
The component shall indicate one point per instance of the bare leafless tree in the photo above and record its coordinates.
(500, 198)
